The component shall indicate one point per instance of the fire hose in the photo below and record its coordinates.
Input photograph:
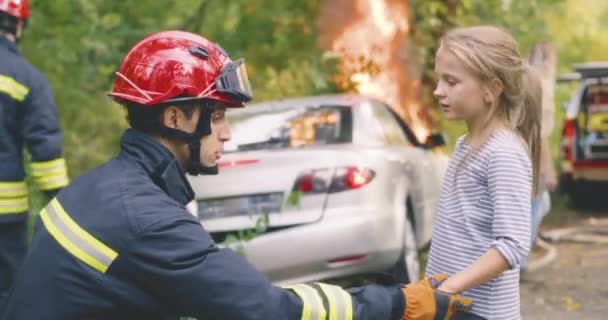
(594, 231)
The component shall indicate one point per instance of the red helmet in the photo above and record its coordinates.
(177, 65)
(15, 8)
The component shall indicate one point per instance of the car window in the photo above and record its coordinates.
(594, 107)
(393, 134)
(293, 127)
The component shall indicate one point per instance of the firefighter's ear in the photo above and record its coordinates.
(170, 117)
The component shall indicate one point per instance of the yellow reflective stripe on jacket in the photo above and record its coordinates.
(13, 88)
(51, 174)
(340, 302)
(13, 189)
(76, 240)
(312, 304)
(13, 205)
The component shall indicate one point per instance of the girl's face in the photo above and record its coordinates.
(460, 93)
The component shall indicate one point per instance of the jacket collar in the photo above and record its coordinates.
(158, 162)
(11, 46)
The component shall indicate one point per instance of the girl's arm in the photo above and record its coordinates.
(487, 267)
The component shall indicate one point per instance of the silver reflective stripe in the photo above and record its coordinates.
(15, 205)
(312, 308)
(340, 303)
(53, 179)
(75, 239)
(13, 189)
(57, 167)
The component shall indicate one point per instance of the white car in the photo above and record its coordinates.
(345, 185)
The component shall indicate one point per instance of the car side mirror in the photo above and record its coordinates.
(434, 140)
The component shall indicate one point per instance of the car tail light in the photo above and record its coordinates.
(325, 180)
(350, 178)
(313, 181)
(568, 139)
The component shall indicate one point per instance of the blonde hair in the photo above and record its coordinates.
(491, 53)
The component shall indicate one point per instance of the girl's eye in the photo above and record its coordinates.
(451, 82)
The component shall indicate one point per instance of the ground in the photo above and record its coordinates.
(575, 285)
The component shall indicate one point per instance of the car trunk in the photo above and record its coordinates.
(255, 183)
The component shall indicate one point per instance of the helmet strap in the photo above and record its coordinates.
(203, 128)
(194, 166)
(9, 24)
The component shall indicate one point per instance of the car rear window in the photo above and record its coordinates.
(289, 127)
(594, 115)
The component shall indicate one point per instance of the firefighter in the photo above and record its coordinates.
(118, 242)
(28, 116)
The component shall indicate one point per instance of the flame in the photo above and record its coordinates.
(369, 37)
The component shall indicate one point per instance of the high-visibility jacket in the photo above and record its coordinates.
(28, 117)
(118, 243)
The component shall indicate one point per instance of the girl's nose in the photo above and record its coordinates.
(438, 92)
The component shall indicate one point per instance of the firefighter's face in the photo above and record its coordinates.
(212, 146)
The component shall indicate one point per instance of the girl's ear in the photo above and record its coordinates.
(495, 87)
(488, 96)
(492, 90)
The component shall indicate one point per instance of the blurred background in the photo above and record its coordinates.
(293, 48)
(379, 48)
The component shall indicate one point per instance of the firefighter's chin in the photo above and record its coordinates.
(210, 162)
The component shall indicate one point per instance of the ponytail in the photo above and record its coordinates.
(528, 121)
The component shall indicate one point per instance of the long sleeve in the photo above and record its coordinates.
(42, 136)
(509, 182)
(179, 263)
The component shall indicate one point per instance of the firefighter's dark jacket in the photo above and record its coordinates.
(118, 243)
(28, 117)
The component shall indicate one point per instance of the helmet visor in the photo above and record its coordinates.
(234, 82)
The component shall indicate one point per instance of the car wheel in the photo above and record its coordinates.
(407, 268)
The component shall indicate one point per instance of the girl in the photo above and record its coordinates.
(482, 231)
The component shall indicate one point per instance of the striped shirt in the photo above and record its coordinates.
(485, 203)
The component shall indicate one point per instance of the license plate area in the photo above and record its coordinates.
(244, 205)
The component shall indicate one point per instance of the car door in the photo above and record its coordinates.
(413, 162)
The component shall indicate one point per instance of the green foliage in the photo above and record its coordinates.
(78, 45)
(236, 239)
(578, 30)
(430, 20)
(524, 19)
(293, 200)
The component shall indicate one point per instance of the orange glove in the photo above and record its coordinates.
(433, 281)
(423, 302)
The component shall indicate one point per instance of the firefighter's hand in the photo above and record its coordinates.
(423, 302)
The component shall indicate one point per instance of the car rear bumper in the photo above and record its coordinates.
(345, 241)
(586, 171)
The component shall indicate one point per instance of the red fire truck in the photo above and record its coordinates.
(584, 150)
